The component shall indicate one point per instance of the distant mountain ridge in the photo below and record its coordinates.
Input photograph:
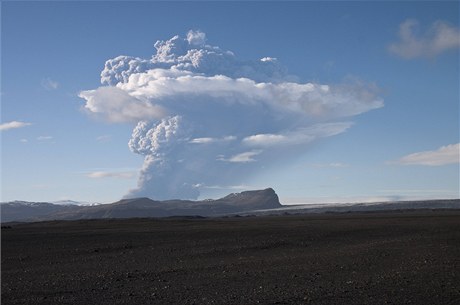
(141, 207)
(260, 202)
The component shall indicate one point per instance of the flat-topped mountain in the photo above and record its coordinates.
(142, 207)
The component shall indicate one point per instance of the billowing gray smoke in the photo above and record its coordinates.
(158, 144)
(205, 117)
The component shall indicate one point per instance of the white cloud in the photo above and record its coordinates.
(266, 140)
(212, 140)
(330, 165)
(104, 174)
(299, 136)
(49, 84)
(13, 125)
(104, 138)
(24, 140)
(197, 38)
(203, 140)
(44, 138)
(242, 157)
(264, 59)
(440, 37)
(115, 105)
(449, 154)
(176, 90)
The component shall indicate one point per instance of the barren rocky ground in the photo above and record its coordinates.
(375, 258)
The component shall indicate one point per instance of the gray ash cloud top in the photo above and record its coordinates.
(193, 55)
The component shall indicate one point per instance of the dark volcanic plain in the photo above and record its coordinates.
(408, 257)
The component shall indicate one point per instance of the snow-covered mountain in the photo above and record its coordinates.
(73, 202)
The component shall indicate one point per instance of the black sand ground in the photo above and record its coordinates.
(387, 258)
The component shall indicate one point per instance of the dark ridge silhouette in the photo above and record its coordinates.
(143, 207)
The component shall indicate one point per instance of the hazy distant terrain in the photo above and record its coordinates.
(260, 202)
(364, 207)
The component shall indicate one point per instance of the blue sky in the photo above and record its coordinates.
(404, 55)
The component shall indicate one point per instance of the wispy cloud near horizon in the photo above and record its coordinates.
(107, 174)
(330, 165)
(449, 154)
(49, 84)
(44, 138)
(243, 157)
(13, 125)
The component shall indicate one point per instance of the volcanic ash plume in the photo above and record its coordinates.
(160, 145)
(205, 117)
